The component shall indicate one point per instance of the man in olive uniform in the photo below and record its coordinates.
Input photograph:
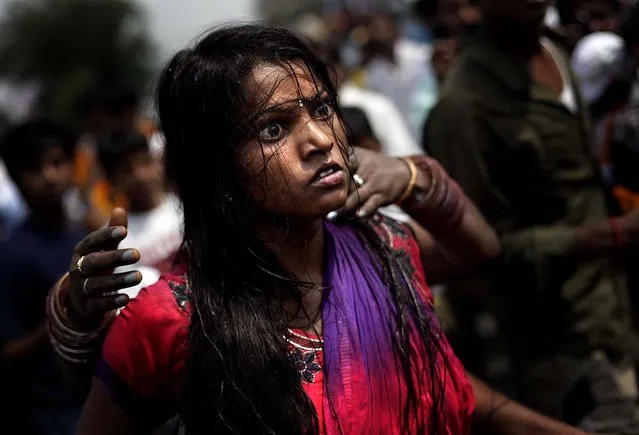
(512, 129)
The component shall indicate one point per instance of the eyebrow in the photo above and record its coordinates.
(279, 107)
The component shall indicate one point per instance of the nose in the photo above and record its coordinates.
(319, 139)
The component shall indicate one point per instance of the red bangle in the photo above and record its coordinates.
(616, 232)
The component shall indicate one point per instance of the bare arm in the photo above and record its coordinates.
(440, 265)
(446, 253)
(102, 416)
(87, 311)
(508, 417)
(451, 253)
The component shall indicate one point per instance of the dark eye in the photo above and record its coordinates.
(274, 131)
(324, 110)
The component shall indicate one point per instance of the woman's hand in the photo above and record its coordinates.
(384, 180)
(92, 284)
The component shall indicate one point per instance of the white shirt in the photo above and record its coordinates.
(13, 210)
(401, 81)
(157, 234)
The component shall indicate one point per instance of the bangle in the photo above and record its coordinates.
(412, 181)
(616, 232)
(441, 206)
(71, 344)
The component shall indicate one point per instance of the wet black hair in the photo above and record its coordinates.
(239, 378)
(23, 145)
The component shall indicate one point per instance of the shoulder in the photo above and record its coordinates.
(157, 312)
(159, 304)
(401, 239)
(145, 348)
(399, 236)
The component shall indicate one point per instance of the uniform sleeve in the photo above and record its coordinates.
(467, 146)
(143, 355)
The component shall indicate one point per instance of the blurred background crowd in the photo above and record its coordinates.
(80, 134)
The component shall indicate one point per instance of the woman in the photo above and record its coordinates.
(278, 321)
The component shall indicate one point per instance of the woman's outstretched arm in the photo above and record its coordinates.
(79, 304)
(102, 416)
(507, 417)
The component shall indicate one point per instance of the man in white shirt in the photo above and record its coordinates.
(135, 170)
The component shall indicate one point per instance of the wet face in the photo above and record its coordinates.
(44, 183)
(295, 165)
(522, 11)
(140, 178)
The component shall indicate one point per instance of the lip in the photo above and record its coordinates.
(333, 179)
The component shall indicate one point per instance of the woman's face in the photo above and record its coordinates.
(296, 165)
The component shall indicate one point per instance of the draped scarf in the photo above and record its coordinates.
(364, 391)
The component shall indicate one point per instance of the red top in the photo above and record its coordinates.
(144, 354)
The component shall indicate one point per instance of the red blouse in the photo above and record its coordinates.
(144, 353)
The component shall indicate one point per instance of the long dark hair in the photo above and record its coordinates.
(238, 377)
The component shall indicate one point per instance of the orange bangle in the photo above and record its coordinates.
(411, 183)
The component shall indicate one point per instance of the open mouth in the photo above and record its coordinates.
(329, 175)
(327, 172)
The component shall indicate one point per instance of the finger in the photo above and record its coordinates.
(96, 286)
(353, 161)
(103, 239)
(350, 206)
(119, 218)
(371, 205)
(356, 199)
(98, 263)
(99, 306)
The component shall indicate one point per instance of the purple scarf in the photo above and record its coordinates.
(362, 389)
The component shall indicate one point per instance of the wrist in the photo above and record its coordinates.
(72, 344)
(437, 202)
(413, 173)
(68, 314)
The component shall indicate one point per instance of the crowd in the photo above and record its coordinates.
(424, 221)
